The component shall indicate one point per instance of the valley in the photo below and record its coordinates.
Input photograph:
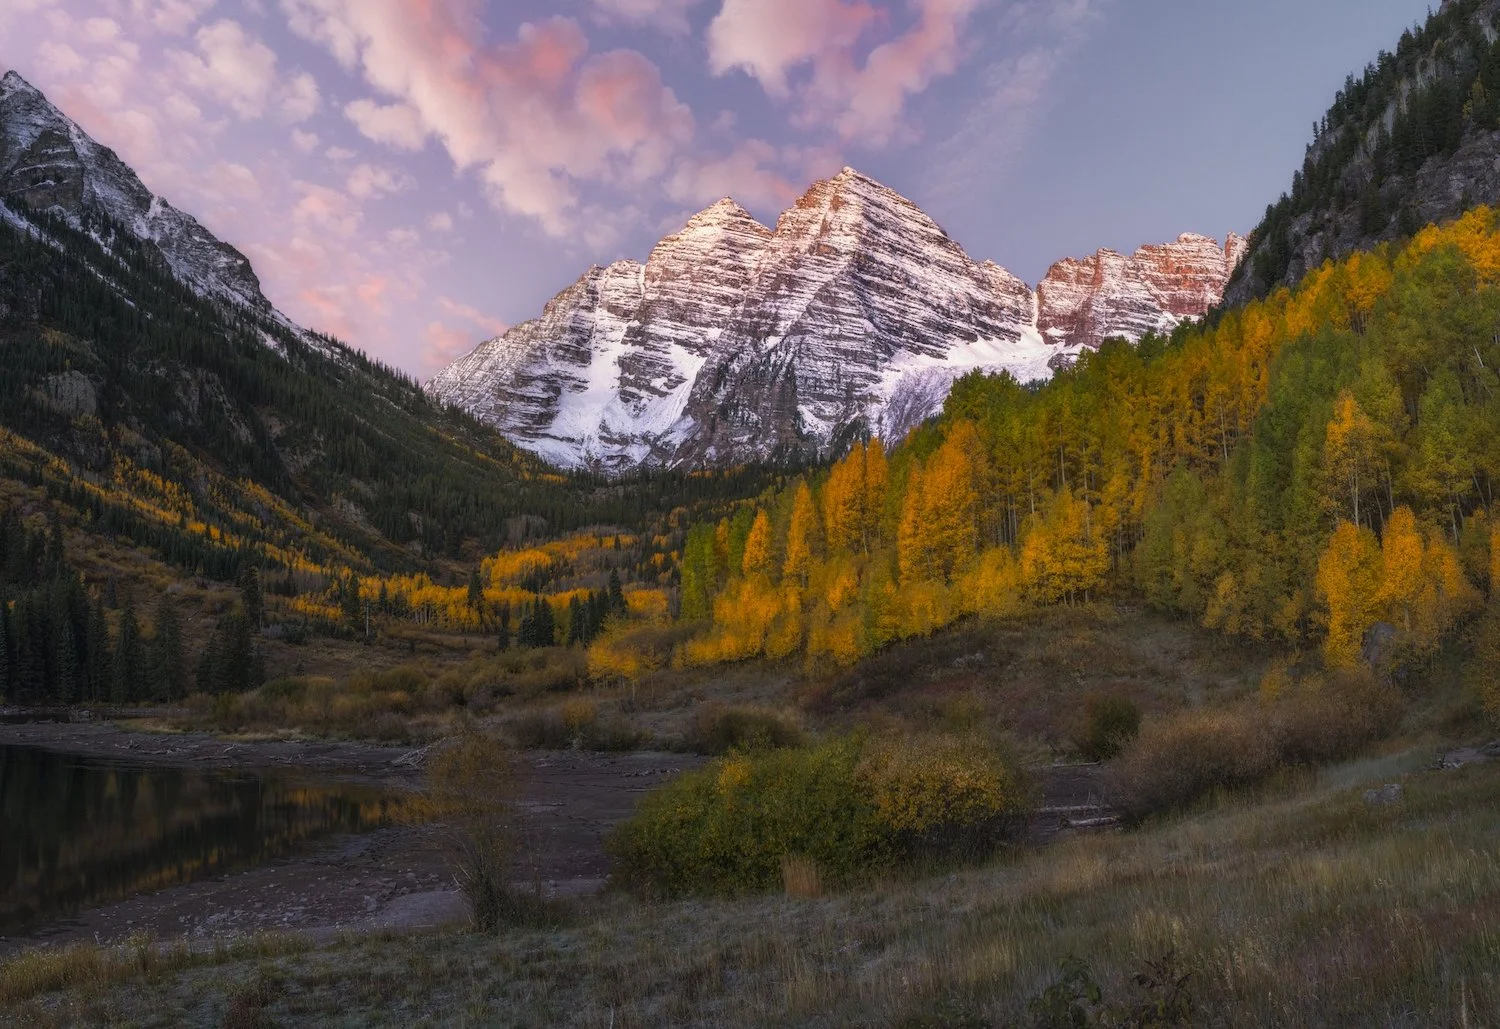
(807, 625)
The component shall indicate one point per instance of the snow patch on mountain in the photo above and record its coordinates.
(854, 316)
(49, 163)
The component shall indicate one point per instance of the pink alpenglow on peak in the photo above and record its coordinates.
(855, 315)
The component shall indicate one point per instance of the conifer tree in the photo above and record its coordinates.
(250, 595)
(168, 675)
(125, 679)
(100, 659)
(617, 606)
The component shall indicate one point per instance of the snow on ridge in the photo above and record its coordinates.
(735, 342)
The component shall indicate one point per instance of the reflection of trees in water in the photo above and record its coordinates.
(76, 832)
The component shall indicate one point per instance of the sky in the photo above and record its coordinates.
(414, 176)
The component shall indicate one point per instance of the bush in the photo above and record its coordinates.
(1182, 759)
(471, 783)
(848, 808)
(1110, 724)
(719, 730)
(575, 724)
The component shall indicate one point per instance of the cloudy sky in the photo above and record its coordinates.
(413, 175)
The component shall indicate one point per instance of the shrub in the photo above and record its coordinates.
(1110, 724)
(719, 730)
(470, 781)
(1184, 758)
(573, 724)
(848, 808)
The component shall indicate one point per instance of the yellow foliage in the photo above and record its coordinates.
(1065, 553)
(1348, 580)
(801, 542)
(758, 546)
(613, 658)
(939, 531)
(650, 605)
(918, 785)
(993, 586)
(1495, 559)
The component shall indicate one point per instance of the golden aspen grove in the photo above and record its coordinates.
(1301, 469)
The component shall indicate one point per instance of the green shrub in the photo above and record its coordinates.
(719, 730)
(1110, 724)
(851, 807)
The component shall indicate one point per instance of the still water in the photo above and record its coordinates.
(77, 831)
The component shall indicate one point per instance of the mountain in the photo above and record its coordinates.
(48, 163)
(153, 392)
(1415, 140)
(737, 343)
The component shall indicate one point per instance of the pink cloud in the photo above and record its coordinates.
(169, 16)
(747, 173)
(395, 125)
(767, 39)
(669, 16)
(862, 99)
(367, 182)
(229, 65)
(475, 317)
(536, 116)
(445, 344)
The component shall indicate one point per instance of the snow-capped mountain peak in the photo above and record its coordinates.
(49, 164)
(735, 342)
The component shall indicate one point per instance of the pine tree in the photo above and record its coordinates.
(250, 595)
(168, 675)
(98, 655)
(126, 678)
(617, 605)
(352, 609)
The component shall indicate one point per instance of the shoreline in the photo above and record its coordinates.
(395, 878)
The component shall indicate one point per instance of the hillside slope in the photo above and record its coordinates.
(1414, 141)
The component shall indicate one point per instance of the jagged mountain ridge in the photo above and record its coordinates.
(49, 163)
(734, 342)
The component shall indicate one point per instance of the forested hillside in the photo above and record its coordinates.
(1314, 464)
(1410, 142)
(150, 436)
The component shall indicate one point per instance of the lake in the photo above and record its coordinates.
(77, 831)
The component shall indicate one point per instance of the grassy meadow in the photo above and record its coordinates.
(1297, 905)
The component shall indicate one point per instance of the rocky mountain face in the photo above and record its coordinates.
(1412, 142)
(734, 342)
(49, 164)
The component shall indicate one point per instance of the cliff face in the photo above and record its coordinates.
(1083, 303)
(48, 163)
(735, 342)
(1414, 141)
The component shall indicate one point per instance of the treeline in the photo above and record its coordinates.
(63, 643)
(1313, 465)
(1440, 87)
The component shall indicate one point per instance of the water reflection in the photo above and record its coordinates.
(75, 831)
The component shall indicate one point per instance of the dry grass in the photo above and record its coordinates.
(1311, 909)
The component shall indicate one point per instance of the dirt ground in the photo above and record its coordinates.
(398, 877)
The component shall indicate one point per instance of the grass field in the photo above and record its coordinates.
(1304, 906)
